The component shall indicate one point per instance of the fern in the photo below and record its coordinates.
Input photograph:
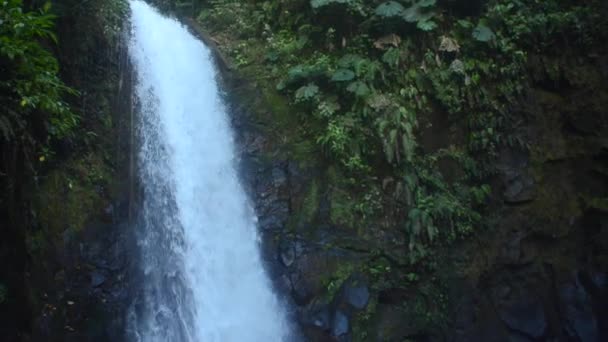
(307, 93)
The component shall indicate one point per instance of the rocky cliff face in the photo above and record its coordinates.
(538, 274)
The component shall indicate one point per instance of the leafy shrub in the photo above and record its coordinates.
(367, 85)
(30, 74)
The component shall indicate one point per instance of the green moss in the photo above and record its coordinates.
(68, 197)
(310, 207)
(342, 210)
(362, 322)
(598, 203)
(336, 279)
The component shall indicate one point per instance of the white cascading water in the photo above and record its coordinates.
(202, 276)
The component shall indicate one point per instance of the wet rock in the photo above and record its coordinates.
(289, 250)
(585, 124)
(119, 209)
(254, 143)
(309, 274)
(356, 294)
(582, 305)
(394, 324)
(288, 256)
(298, 180)
(513, 252)
(108, 213)
(283, 283)
(320, 319)
(279, 177)
(302, 289)
(97, 279)
(577, 314)
(340, 324)
(515, 337)
(462, 307)
(272, 202)
(525, 315)
(272, 222)
(519, 186)
(519, 189)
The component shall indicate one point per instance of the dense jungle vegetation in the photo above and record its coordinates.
(406, 106)
(410, 108)
(365, 81)
(34, 111)
(56, 149)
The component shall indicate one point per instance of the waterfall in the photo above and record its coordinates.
(202, 277)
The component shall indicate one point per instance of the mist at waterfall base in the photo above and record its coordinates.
(201, 274)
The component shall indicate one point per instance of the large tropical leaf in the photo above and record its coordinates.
(426, 25)
(390, 9)
(483, 33)
(358, 88)
(426, 3)
(349, 60)
(322, 3)
(343, 75)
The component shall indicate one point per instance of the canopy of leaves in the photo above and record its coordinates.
(29, 78)
(368, 80)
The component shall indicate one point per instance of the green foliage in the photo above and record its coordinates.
(342, 75)
(307, 93)
(397, 130)
(323, 3)
(483, 33)
(338, 278)
(30, 74)
(108, 16)
(369, 85)
(390, 9)
(420, 12)
(359, 88)
(311, 203)
(349, 6)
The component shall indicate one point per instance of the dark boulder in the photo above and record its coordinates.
(340, 324)
(519, 186)
(355, 293)
(525, 315)
(579, 320)
(97, 279)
